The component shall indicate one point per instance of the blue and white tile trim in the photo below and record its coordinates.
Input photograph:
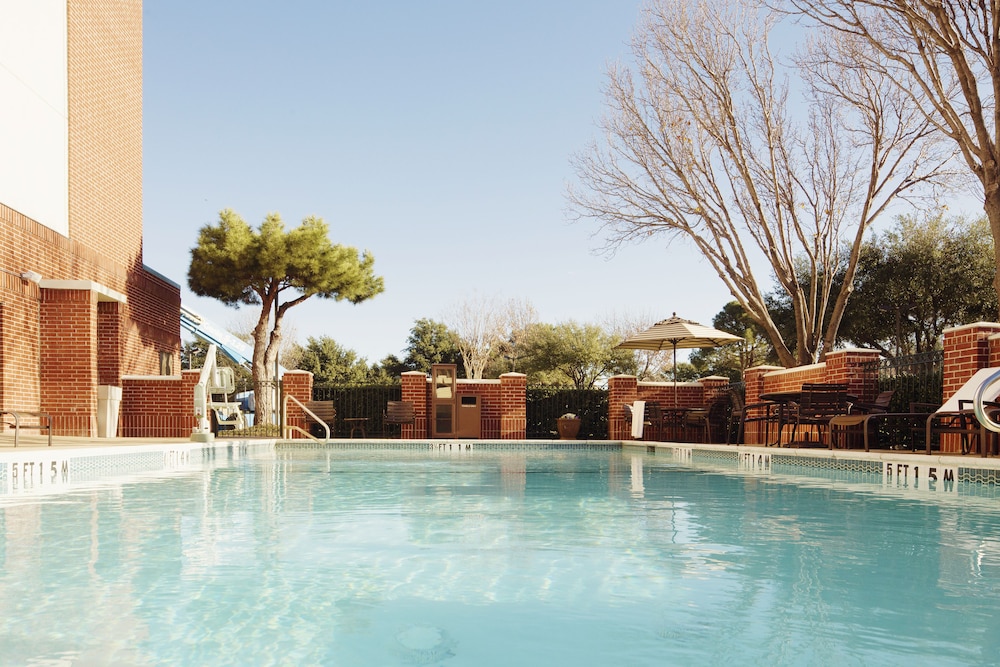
(33, 471)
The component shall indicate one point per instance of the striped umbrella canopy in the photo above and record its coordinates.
(673, 333)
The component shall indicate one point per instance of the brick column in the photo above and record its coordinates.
(966, 350)
(513, 406)
(68, 337)
(713, 387)
(994, 346)
(622, 390)
(415, 391)
(297, 384)
(850, 367)
(109, 343)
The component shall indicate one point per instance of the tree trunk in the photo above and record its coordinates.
(991, 206)
(263, 397)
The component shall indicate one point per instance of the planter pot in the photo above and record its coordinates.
(568, 428)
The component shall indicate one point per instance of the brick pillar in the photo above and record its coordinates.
(713, 387)
(994, 346)
(967, 349)
(513, 406)
(109, 343)
(415, 391)
(297, 384)
(850, 367)
(622, 390)
(68, 343)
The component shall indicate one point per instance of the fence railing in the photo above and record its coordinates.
(917, 378)
(546, 404)
(363, 401)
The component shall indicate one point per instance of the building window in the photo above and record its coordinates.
(166, 363)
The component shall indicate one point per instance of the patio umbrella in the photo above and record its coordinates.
(676, 333)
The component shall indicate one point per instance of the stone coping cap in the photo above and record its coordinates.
(974, 325)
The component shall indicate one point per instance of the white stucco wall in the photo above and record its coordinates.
(34, 115)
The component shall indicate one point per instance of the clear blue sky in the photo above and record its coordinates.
(438, 135)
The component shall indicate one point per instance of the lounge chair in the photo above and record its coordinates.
(320, 418)
(957, 416)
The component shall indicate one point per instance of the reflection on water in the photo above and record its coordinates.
(365, 557)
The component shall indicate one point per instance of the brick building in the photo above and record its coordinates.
(78, 308)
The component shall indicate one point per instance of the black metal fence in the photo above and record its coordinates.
(916, 378)
(546, 404)
(367, 401)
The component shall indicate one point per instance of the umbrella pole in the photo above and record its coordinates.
(675, 372)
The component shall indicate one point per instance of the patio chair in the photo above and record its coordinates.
(656, 420)
(399, 413)
(954, 417)
(708, 421)
(859, 416)
(764, 412)
(323, 413)
(819, 404)
(628, 420)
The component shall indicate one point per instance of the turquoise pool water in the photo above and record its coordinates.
(369, 557)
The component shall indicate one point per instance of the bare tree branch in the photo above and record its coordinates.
(705, 143)
(943, 56)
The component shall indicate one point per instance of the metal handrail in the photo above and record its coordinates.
(284, 417)
(979, 401)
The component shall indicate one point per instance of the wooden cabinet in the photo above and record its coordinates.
(444, 400)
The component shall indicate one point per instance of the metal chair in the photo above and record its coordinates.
(860, 413)
(819, 404)
(765, 413)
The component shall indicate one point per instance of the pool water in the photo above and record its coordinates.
(328, 557)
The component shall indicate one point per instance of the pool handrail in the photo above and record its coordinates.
(284, 418)
(979, 403)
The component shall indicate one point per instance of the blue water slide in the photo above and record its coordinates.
(231, 346)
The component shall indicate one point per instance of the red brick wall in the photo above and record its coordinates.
(104, 246)
(513, 407)
(622, 390)
(104, 59)
(109, 343)
(297, 384)
(966, 350)
(415, 391)
(69, 360)
(501, 403)
(158, 407)
(19, 345)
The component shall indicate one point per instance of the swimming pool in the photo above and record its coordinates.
(494, 556)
